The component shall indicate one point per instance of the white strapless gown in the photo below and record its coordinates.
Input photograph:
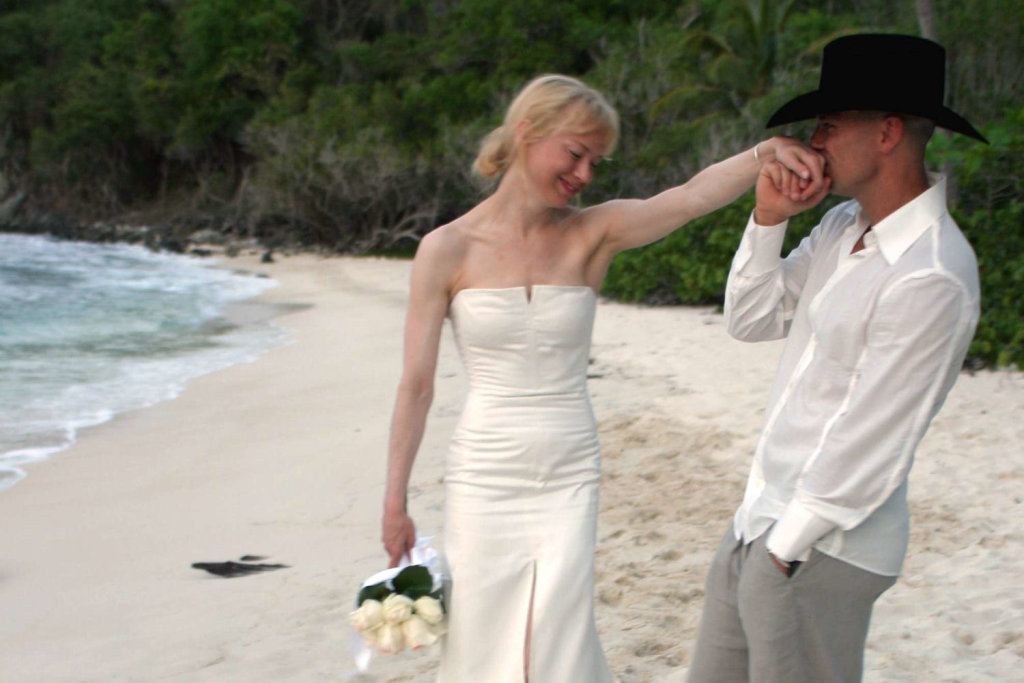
(521, 491)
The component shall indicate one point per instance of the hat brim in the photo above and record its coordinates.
(815, 103)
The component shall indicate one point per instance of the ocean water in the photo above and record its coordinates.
(88, 331)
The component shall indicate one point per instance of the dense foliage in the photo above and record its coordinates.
(351, 124)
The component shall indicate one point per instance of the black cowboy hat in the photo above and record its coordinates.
(879, 72)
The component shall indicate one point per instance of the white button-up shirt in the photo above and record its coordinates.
(874, 342)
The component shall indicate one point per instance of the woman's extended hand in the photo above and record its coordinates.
(398, 534)
(806, 165)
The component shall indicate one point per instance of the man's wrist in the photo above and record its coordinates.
(796, 531)
(784, 566)
(768, 218)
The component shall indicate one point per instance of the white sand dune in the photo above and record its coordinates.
(285, 457)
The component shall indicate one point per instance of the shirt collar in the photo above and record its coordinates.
(900, 229)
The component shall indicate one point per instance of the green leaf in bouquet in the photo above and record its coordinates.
(414, 581)
(378, 592)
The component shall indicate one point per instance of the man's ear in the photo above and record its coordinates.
(891, 132)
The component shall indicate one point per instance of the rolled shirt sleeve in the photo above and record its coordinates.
(902, 377)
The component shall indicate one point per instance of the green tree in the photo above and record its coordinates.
(233, 55)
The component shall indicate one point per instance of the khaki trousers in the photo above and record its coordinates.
(758, 625)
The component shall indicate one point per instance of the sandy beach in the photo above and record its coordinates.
(284, 458)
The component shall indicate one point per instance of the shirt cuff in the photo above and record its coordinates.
(763, 247)
(796, 531)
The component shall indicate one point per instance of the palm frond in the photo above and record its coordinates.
(701, 38)
(674, 96)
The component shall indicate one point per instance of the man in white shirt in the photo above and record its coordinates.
(878, 305)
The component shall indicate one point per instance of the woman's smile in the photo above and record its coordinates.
(568, 188)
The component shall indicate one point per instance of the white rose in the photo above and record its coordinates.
(438, 629)
(417, 633)
(369, 616)
(397, 608)
(429, 609)
(370, 636)
(390, 639)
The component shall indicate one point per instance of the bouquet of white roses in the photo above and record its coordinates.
(401, 607)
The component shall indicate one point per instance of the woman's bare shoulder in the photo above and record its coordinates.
(443, 251)
(446, 242)
(591, 222)
(601, 214)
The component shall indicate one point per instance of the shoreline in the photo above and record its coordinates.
(284, 458)
(244, 461)
(239, 332)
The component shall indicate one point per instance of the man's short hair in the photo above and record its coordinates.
(919, 129)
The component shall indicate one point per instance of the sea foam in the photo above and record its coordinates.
(88, 331)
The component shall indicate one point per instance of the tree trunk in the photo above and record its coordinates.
(926, 19)
(926, 24)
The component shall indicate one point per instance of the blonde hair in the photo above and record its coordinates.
(548, 103)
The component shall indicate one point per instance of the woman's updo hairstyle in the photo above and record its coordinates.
(549, 103)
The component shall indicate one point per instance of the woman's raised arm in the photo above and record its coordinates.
(632, 223)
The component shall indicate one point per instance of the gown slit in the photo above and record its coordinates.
(529, 626)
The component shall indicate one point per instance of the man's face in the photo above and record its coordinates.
(849, 142)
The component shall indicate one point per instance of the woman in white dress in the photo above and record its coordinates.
(517, 276)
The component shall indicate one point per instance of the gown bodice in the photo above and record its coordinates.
(513, 344)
